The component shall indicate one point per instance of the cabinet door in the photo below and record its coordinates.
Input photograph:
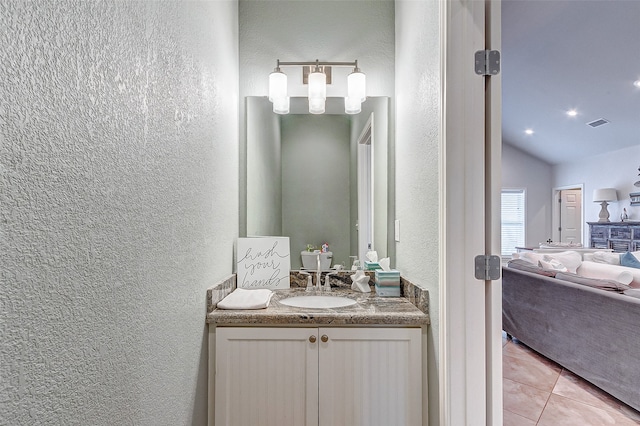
(266, 376)
(370, 376)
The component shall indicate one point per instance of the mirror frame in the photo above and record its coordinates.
(383, 178)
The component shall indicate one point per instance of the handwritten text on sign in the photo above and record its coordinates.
(263, 262)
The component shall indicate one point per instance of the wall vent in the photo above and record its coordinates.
(597, 123)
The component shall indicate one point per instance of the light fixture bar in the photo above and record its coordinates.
(317, 74)
(308, 69)
(335, 64)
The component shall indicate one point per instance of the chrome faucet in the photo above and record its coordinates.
(309, 280)
(327, 281)
(318, 272)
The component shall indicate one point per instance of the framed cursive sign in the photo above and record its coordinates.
(263, 262)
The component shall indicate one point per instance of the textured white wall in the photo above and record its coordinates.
(523, 171)
(118, 205)
(315, 29)
(418, 124)
(616, 169)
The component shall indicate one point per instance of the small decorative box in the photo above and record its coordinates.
(371, 266)
(388, 291)
(387, 278)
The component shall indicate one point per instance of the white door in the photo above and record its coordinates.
(370, 377)
(570, 226)
(471, 318)
(266, 376)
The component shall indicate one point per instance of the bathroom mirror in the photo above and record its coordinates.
(317, 178)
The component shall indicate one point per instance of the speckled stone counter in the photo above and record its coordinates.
(409, 310)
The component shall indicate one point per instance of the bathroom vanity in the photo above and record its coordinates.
(354, 365)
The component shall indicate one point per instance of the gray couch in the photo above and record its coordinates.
(593, 333)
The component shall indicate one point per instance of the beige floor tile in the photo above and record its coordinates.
(512, 419)
(573, 387)
(521, 351)
(532, 372)
(528, 380)
(524, 400)
(561, 411)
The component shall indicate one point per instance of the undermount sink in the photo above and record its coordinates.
(318, 302)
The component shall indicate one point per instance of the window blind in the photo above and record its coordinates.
(512, 222)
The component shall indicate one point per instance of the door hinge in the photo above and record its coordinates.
(487, 62)
(487, 267)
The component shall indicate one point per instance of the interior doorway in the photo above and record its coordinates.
(365, 190)
(568, 214)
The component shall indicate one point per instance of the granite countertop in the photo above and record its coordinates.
(370, 309)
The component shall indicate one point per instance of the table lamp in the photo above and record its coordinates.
(602, 196)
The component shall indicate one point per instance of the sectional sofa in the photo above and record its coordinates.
(593, 332)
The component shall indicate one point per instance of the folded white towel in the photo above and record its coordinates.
(242, 298)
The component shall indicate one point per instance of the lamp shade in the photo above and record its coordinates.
(277, 85)
(316, 105)
(352, 105)
(281, 105)
(605, 194)
(356, 85)
(317, 86)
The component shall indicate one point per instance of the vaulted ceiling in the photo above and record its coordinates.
(562, 55)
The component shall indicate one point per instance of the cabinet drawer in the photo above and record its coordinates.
(619, 246)
(602, 244)
(620, 233)
(599, 233)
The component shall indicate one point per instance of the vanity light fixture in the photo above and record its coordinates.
(319, 75)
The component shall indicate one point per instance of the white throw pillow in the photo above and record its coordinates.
(624, 277)
(531, 257)
(605, 257)
(609, 272)
(634, 292)
(553, 264)
(570, 259)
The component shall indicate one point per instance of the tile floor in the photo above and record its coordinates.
(537, 391)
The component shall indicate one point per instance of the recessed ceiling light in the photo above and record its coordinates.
(637, 83)
(572, 113)
(529, 131)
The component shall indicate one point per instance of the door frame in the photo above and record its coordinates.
(470, 319)
(555, 211)
(365, 189)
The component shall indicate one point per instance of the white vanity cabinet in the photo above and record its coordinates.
(318, 376)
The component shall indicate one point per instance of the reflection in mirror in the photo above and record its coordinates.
(305, 174)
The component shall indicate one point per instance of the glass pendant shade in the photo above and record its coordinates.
(281, 105)
(352, 105)
(316, 105)
(356, 85)
(317, 86)
(317, 75)
(277, 85)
